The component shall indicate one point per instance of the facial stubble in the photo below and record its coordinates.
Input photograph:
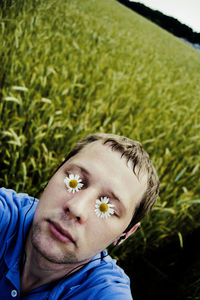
(37, 240)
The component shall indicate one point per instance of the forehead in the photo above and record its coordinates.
(111, 171)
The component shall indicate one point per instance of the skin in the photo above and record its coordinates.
(50, 256)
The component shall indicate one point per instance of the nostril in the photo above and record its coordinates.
(78, 219)
(70, 213)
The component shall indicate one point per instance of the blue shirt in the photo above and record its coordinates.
(99, 279)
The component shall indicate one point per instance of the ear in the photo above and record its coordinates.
(124, 236)
(132, 230)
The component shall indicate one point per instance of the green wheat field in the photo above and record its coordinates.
(73, 67)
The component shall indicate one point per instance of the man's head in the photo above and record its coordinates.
(133, 152)
(66, 227)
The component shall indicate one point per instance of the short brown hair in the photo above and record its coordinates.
(132, 151)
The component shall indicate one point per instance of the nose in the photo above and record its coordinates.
(81, 205)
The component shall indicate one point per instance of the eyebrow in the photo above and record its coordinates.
(119, 200)
(82, 169)
(116, 197)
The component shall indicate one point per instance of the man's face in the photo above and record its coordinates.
(66, 228)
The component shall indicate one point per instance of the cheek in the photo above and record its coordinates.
(53, 193)
(104, 229)
(55, 184)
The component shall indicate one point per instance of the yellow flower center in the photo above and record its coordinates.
(103, 207)
(73, 183)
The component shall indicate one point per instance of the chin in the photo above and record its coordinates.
(49, 250)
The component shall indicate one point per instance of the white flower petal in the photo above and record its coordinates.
(104, 199)
(98, 202)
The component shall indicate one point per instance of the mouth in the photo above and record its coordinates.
(60, 233)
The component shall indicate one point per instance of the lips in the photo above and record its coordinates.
(60, 233)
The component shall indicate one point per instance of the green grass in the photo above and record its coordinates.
(70, 68)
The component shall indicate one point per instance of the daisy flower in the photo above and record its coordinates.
(73, 183)
(103, 209)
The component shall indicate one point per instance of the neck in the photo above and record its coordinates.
(38, 271)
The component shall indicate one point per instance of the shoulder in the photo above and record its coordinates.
(11, 204)
(111, 281)
(12, 200)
